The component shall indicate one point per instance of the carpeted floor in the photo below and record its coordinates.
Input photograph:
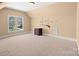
(32, 45)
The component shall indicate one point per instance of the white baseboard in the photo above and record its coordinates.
(14, 34)
(61, 37)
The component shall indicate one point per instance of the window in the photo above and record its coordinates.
(15, 23)
(19, 23)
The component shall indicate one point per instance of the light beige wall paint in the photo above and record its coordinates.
(77, 28)
(4, 13)
(62, 15)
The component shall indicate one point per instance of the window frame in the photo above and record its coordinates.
(16, 23)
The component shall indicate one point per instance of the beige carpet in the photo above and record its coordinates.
(31, 45)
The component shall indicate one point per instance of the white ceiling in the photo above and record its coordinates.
(26, 6)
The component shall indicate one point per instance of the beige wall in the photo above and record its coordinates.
(77, 31)
(62, 15)
(5, 12)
